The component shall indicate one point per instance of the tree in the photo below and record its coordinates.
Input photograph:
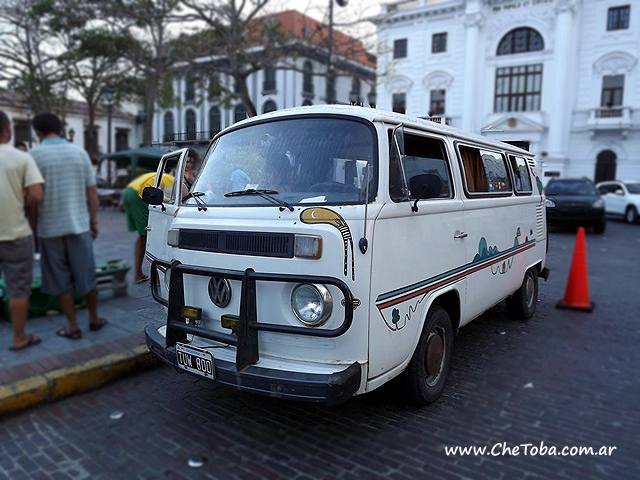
(247, 39)
(234, 26)
(91, 58)
(149, 52)
(28, 50)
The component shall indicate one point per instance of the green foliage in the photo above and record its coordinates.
(165, 95)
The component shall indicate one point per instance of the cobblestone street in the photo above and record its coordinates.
(565, 378)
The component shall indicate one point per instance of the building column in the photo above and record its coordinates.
(473, 20)
(559, 113)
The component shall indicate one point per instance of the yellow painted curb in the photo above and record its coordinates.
(22, 394)
(64, 382)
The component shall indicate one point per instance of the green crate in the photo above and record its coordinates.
(39, 303)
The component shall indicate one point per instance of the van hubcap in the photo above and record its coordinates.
(435, 352)
(529, 290)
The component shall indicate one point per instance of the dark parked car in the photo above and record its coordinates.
(575, 202)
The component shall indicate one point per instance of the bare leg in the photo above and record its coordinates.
(92, 306)
(141, 244)
(19, 308)
(69, 309)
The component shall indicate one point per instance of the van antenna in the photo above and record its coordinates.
(363, 243)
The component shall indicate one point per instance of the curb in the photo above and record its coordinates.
(64, 382)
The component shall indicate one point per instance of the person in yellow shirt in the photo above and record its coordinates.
(137, 214)
(20, 184)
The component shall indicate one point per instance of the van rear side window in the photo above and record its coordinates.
(485, 171)
(521, 177)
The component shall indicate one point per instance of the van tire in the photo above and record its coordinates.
(631, 215)
(522, 304)
(426, 375)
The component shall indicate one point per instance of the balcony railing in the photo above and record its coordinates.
(610, 118)
(188, 136)
(609, 112)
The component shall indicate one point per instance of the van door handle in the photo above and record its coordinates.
(461, 235)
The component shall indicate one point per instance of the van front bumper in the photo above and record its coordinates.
(329, 389)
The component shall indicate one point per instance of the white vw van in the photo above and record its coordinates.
(323, 251)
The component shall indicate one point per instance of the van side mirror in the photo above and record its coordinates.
(152, 196)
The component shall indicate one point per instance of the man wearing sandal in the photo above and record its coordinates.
(20, 184)
(67, 223)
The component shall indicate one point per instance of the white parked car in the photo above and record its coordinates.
(621, 199)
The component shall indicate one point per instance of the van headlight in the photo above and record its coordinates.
(549, 203)
(312, 304)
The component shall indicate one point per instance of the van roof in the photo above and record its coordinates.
(375, 115)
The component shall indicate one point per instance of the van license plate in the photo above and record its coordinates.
(195, 360)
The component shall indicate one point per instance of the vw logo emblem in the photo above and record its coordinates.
(219, 291)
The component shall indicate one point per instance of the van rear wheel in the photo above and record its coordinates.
(427, 372)
(522, 304)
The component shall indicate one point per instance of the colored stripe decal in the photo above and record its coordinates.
(410, 291)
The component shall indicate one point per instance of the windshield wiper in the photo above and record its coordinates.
(196, 196)
(266, 194)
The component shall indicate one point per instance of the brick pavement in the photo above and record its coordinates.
(59, 367)
(562, 378)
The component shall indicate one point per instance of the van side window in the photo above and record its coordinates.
(484, 171)
(426, 167)
(521, 177)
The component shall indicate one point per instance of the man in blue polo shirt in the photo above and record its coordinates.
(67, 223)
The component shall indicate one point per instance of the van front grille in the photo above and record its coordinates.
(238, 243)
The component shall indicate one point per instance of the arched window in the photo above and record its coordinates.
(269, 106)
(307, 79)
(605, 166)
(307, 103)
(190, 122)
(168, 127)
(240, 113)
(520, 40)
(215, 121)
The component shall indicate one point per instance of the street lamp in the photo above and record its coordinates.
(27, 108)
(331, 81)
(109, 90)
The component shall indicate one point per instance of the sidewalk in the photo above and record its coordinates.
(59, 367)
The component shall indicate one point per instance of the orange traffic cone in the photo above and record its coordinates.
(576, 296)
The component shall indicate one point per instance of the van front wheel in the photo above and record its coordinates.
(427, 372)
(521, 305)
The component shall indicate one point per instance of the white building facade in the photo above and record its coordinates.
(122, 133)
(557, 77)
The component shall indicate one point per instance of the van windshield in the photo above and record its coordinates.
(300, 160)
